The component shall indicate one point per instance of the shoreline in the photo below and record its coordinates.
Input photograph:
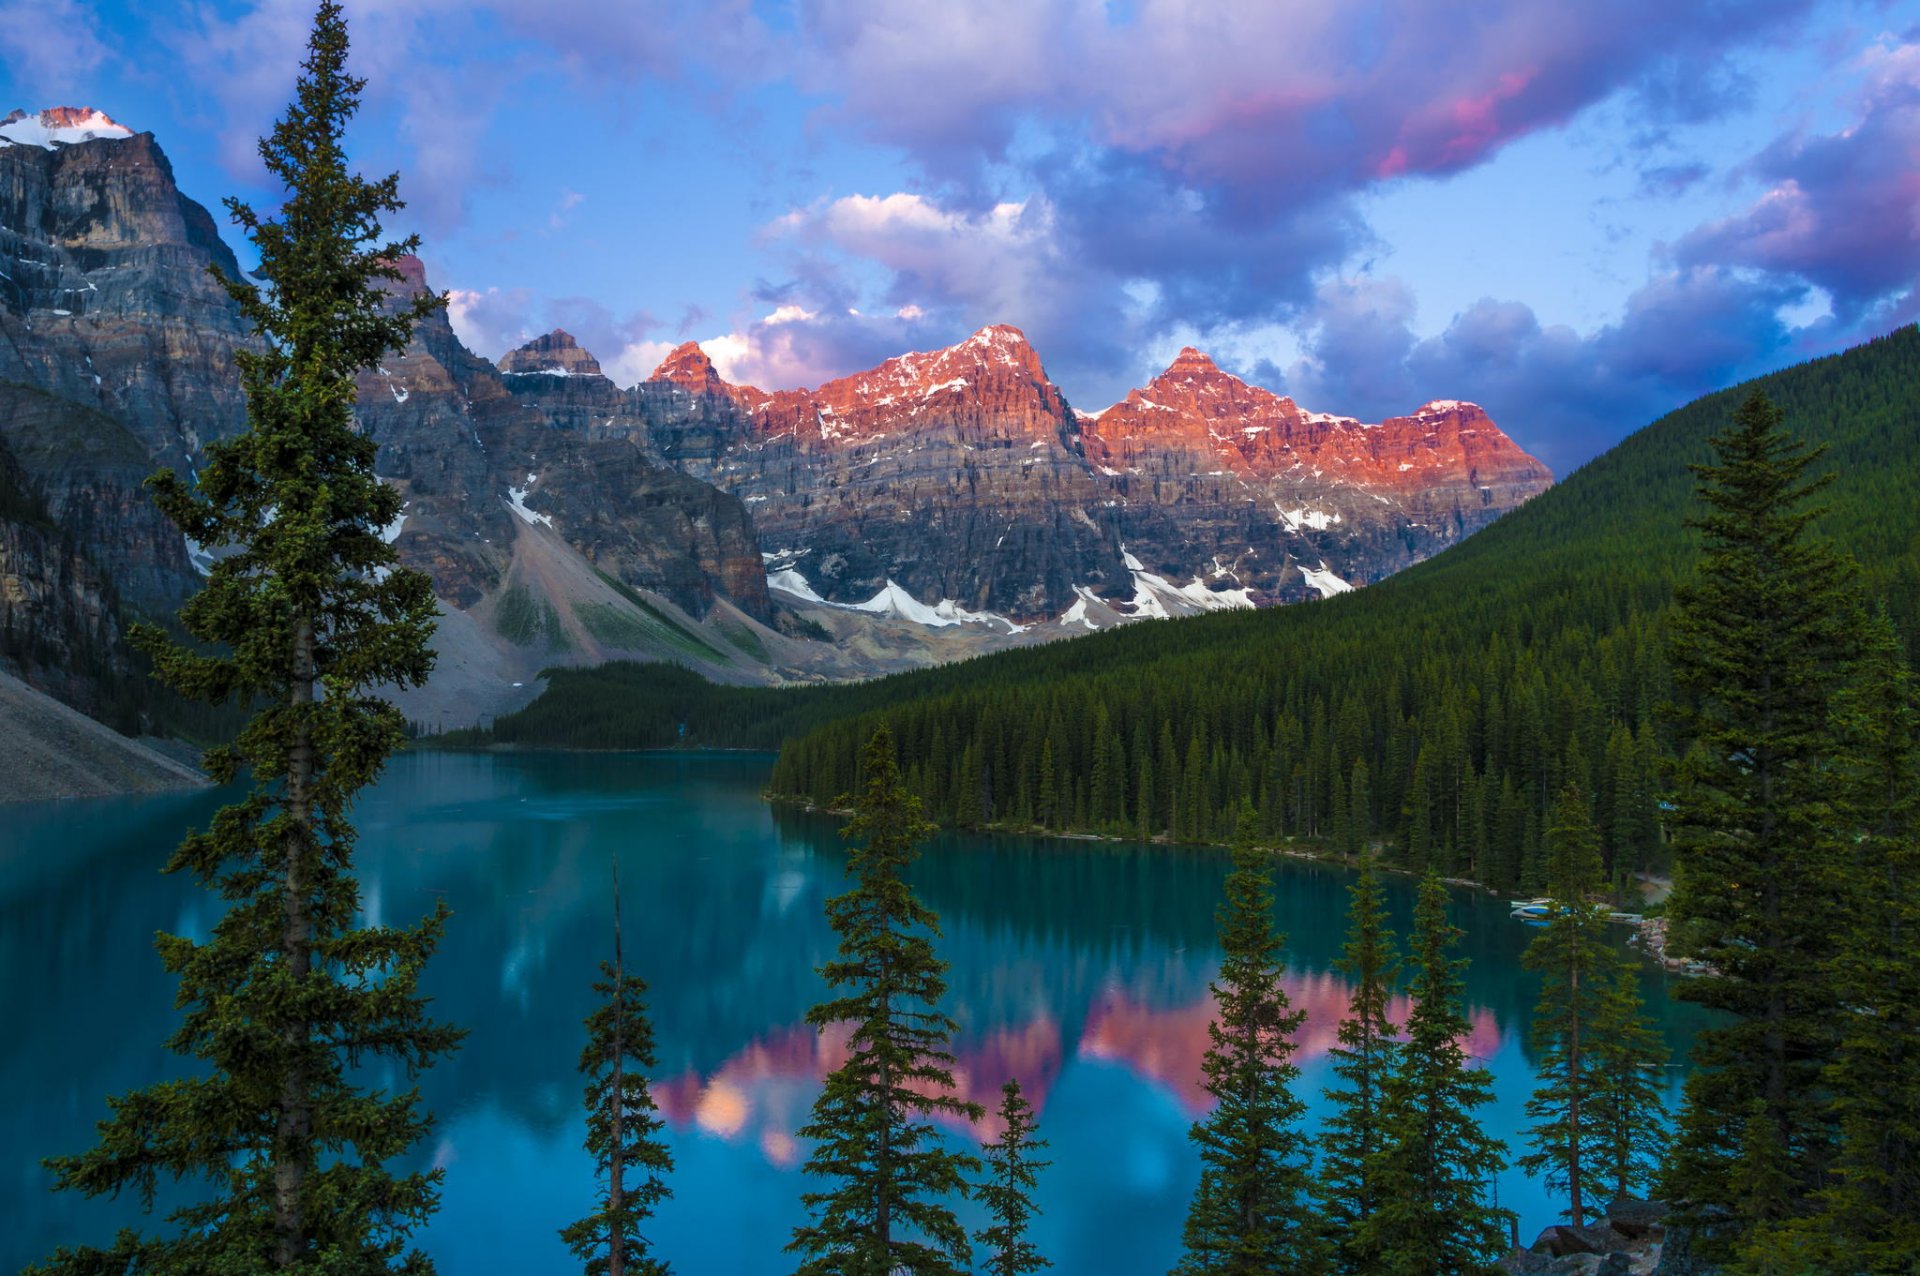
(1649, 933)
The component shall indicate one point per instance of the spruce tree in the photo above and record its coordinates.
(306, 615)
(1352, 1134)
(1761, 639)
(1253, 1211)
(1575, 965)
(886, 1207)
(1629, 1110)
(1435, 1161)
(1007, 1193)
(1868, 1216)
(623, 1123)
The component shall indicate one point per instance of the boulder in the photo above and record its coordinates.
(1561, 1240)
(1635, 1218)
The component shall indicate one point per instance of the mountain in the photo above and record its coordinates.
(106, 306)
(117, 357)
(1252, 483)
(961, 480)
(1453, 699)
(941, 505)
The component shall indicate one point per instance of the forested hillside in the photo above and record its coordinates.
(1439, 710)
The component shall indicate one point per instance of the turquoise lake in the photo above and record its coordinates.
(1081, 968)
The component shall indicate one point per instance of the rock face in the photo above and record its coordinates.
(557, 354)
(476, 451)
(1220, 475)
(955, 474)
(59, 622)
(117, 357)
(963, 474)
(108, 308)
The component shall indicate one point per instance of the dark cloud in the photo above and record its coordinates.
(1842, 210)
(1563, 395)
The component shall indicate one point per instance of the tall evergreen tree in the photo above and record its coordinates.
(1007, 1193)
(1575, 967)
(1435, 1161)
(1761, 638)
(886, 1207)
(1253, 1211)
(1628, 1104)
(304, 618)
(1868, 1217)
(623, 1123)
(1352, 1134)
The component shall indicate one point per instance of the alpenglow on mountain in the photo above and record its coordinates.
(963, 476)
(941, 504)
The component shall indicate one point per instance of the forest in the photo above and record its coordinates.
(1437, 712)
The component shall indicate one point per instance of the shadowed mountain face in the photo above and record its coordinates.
(117, 357)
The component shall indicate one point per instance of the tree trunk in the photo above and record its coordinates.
(295, 1116)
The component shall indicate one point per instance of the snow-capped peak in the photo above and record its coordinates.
(60, 126)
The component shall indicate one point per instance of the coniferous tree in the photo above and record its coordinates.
(1576, 968)
(1629, 1121)
(1253, 1211)
(1868, 1216)
(886, 1207)
(1435, 1161)
(1352, 1133)
(306, 615)
(1007, 1193)
(623, 1123)
(1761, 639)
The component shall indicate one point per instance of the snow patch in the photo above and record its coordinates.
(1295, 519)
(516, 501)
(60, 126)
(897, 602)
(789, 581)
(197, 555)
(1325, 581)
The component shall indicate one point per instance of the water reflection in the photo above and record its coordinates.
(1081, 969)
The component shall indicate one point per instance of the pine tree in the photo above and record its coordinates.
(1008, 1190)
(885, 1209)
(1761, 639)
(1253, 1211)
(1352, 1134)
(1869, 1214)
(306, 615)
(623, 1125)
(1575, 967)
(1435, 1161)
(1629, 1112)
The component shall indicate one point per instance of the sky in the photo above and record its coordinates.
(1577, 215)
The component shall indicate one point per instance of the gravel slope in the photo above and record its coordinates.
(50, 751)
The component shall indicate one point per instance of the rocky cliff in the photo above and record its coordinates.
(1227, 480)
(107, 306)
(962, 479)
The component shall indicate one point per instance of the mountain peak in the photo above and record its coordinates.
(1190, 357)
(555, 354)
(690, 366)
(60, 126)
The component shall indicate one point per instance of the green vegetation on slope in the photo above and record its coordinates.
(1440, 710)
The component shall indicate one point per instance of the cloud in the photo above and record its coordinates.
(490, 321)
(49, 46)
(1841, 210)
(1562, 394)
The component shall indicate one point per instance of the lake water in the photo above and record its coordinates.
(1080, 968)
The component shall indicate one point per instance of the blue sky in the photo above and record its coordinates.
(1579, 216)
